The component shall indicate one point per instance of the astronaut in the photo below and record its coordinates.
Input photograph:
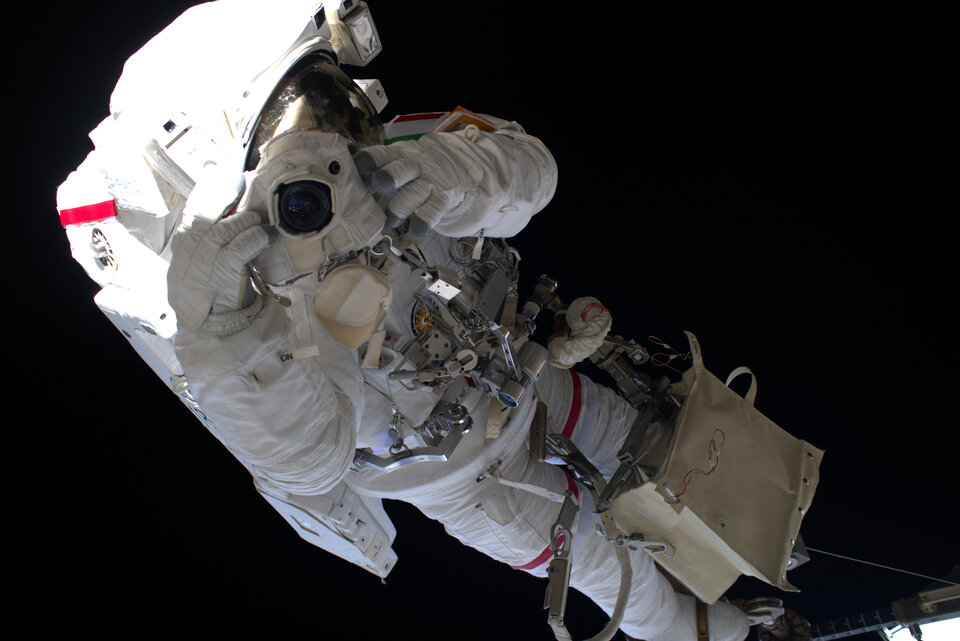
(344, 309)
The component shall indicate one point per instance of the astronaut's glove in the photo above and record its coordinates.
(589, 324)
(426, 180)
(208, 271)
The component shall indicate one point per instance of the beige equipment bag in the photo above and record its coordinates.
(730, 494)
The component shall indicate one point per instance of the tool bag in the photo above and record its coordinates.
(730, 494)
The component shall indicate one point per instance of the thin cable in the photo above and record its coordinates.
(662, 359)
(886, 567)
(713, 457)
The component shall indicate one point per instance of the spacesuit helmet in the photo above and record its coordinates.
(315, 94)
(299, 168)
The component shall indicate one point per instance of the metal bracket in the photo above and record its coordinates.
(633, 385)
(582, 469)
(450, 423)
(651, 546)
(263, 289)
(509, 354)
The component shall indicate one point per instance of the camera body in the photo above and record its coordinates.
(307, 187)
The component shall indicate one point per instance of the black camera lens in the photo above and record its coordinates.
(304, 206)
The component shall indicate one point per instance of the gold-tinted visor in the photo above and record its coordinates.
(316, 94)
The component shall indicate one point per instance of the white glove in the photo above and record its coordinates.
(427, 180)
(589, 324)
(208, 271)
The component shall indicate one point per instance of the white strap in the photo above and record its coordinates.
(751, 394)
(374, 349)
(375, 343)
(478, 246)
(543, 492)
(558, 497)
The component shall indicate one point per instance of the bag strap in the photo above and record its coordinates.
(703, 626)
(751, 394)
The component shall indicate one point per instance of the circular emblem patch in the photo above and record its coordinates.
(422, 317)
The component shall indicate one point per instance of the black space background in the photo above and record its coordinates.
(780, 182)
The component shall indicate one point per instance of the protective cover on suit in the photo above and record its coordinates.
(315, 420)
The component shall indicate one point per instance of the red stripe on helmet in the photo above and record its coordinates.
(88, 213)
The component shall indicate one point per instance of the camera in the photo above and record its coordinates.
(307, 187)
(303, 206)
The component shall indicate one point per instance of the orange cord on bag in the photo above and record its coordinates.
(662, 359)
(713, 455)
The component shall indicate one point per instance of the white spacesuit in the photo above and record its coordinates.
(310, 271)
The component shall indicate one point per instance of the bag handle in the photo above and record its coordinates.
(751, 394)
(697, 356)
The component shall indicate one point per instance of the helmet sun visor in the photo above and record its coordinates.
(316, 95)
